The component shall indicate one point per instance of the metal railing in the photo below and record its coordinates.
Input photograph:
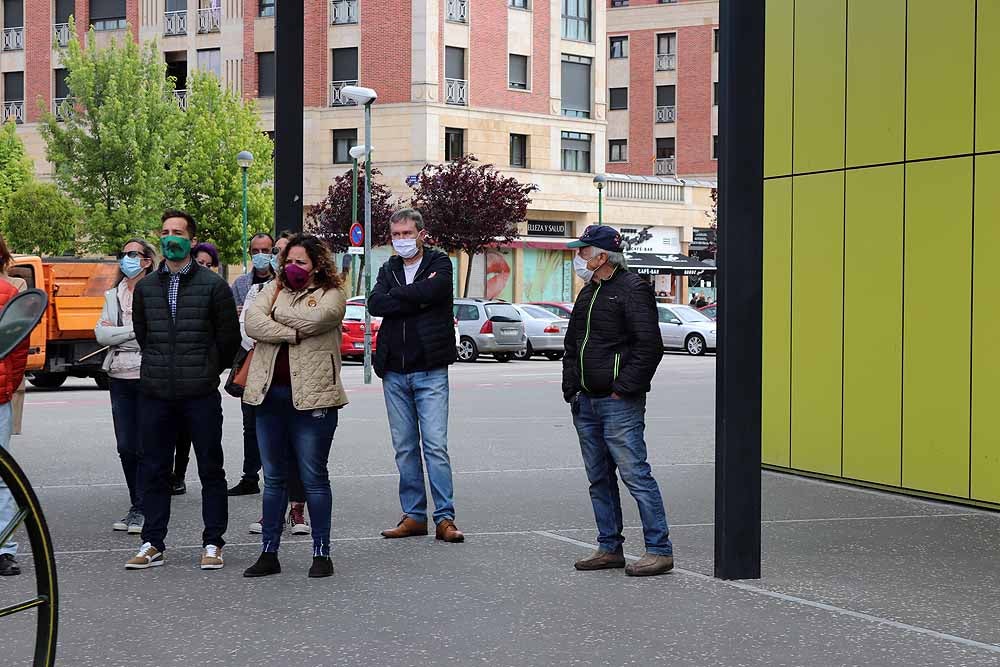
(458, 11)
(182, 99)
(666, 166)
(456, 91)
(62, 107)
(60, 34)
(666, 62)
(336, 99)
(343, 11)
(643, 188)
(13, 39)
(666, 114)
(175, 23)
(13, 110)
(209, 20)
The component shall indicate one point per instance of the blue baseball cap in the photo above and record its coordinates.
(600, 236)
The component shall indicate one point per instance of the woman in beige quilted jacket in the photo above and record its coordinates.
(294, 380)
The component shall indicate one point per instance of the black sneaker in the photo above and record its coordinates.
(245, 487)
(322, 567)
(177, 486)
(266, 564)
(9, 566)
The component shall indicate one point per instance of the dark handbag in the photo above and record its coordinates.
(237, 381)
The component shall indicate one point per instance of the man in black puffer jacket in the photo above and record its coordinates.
(613, 347)
(185, 322)
(416, 344)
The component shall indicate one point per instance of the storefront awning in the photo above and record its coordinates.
(540, 243)
(652, 264)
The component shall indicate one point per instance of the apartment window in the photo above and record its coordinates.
(13, 87)
(210, 60)
(265, 74)
(665, 148)
(618, 150)
(617, 99)
(576, 20)
(343, 142)
(267, 7)
(619, 47)
(13, 13)
(666, 96)
(715, 147)
(575, 151)
(107, 14)
(64, 9)
(518, 4)
(576, 86)
(519, 150)
(715, 41)
(454, 143)
(518, 72)
(345, 64)
(715, 93)
(454, 62)
(619, 3)
(666, 43)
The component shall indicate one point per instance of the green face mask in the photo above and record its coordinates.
(175, 248)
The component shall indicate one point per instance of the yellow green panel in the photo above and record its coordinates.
(986, 334)
(820, 41)
(988, 78)
(776, 322)
(937, 326)
(778, 39)
(817, 321)
(876, 77)
(940, 78)
(873, 315)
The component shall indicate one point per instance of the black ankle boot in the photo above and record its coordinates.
(266, 564)
(322, 567)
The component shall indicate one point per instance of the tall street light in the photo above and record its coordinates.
(244, 159)
(599, 181)
(366, 97)
(356, 152)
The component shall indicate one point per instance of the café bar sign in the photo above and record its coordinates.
(546, 228)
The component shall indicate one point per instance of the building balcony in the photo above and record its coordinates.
(175, 23)
(182, 99)
(13, 110)
(209, 20)
(458, 11)
(666, 62)
(644, 189)
(666, 114)
(666, 166)
(62, 107)
(338, 100)
(60, 35)
(456, 91)
(343, 12)
(13, 39)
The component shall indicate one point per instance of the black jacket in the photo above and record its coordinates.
(613, 342)
(183, 357)
(418, 322)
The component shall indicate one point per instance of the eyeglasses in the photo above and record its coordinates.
(133, 254)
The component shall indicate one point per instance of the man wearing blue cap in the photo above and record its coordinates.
(613, 347)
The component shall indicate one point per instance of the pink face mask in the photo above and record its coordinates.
(296, 277)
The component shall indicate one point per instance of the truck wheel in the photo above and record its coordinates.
(102, 381)
(47, 380)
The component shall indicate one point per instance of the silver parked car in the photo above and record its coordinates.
(546, 332)
(685, 328)
(489, 327)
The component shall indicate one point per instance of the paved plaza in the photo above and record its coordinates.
(851, 576)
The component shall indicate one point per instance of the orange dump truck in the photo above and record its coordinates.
(63, 344)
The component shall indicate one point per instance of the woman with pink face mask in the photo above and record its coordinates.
(294, 380)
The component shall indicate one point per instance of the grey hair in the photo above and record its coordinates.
(404, 214)
(616, 259)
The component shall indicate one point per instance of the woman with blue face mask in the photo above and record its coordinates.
(121, 363)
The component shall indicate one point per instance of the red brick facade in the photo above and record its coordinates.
(694, 100)
(488, 73)
(81, 14)
(37, 57)
(249, 57)
(132, 16)
(386, 47)
(315, 53)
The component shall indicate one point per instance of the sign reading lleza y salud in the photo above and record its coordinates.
(537, 228)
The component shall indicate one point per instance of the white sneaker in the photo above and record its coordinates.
(135, 522)
(147, 557)
(256, 528)
(122, 524)
(211, 558)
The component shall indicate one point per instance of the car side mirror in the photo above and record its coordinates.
(19, 318)
(674, 320)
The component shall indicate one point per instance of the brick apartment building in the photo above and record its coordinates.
(518, 83)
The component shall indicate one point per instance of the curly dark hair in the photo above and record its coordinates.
(325, 273)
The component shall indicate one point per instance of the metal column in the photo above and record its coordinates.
(289, 41)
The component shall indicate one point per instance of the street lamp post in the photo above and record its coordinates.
(599, 181)
(244, 159)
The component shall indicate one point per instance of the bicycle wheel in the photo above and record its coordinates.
(46, 600)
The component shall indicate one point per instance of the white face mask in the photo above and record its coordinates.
(405, 248)
(580, 266)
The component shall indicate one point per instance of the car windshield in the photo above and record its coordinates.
(537, 313)
(689, 314)
(354, 312)
(501, 312)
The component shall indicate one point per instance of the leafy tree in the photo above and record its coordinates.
(39, 219)
(469, 208)
(16, 168)
(216, 126)
(113, 152)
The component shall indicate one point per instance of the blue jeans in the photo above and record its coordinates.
(8, 508)
(125, 414)
(282, 433)
(611, 436)
(417, 404)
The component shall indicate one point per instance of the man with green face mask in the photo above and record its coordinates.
(184, 318)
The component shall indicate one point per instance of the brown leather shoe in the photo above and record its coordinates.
(601, 560)
(447, 532)
(406, 527)
(650, 565)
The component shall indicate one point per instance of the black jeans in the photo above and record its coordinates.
(251, 450)
(160, 421)
(125, 414)
(182, 455)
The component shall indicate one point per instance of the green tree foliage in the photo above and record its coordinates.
(216, 126)
(39, 219)
(114, 152)
(15, 166)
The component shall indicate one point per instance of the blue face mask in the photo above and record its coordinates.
(261, 262)
(274, 263)
(131, 266)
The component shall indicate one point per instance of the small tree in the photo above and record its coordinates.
(39, 219)
(16, 168)
(469, 208)
(113, 152)
(713, 216)
(217, 125)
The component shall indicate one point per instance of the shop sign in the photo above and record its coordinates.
(651, 239)
(702, 237)
(545, 228)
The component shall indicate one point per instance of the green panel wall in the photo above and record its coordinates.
(986, 333)
(817, 321)
(778, 87)
(820, 74)
(873, 314)
(937, 326)
(940, 78)
(988, 77)
(776, 322)
(876, 78)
